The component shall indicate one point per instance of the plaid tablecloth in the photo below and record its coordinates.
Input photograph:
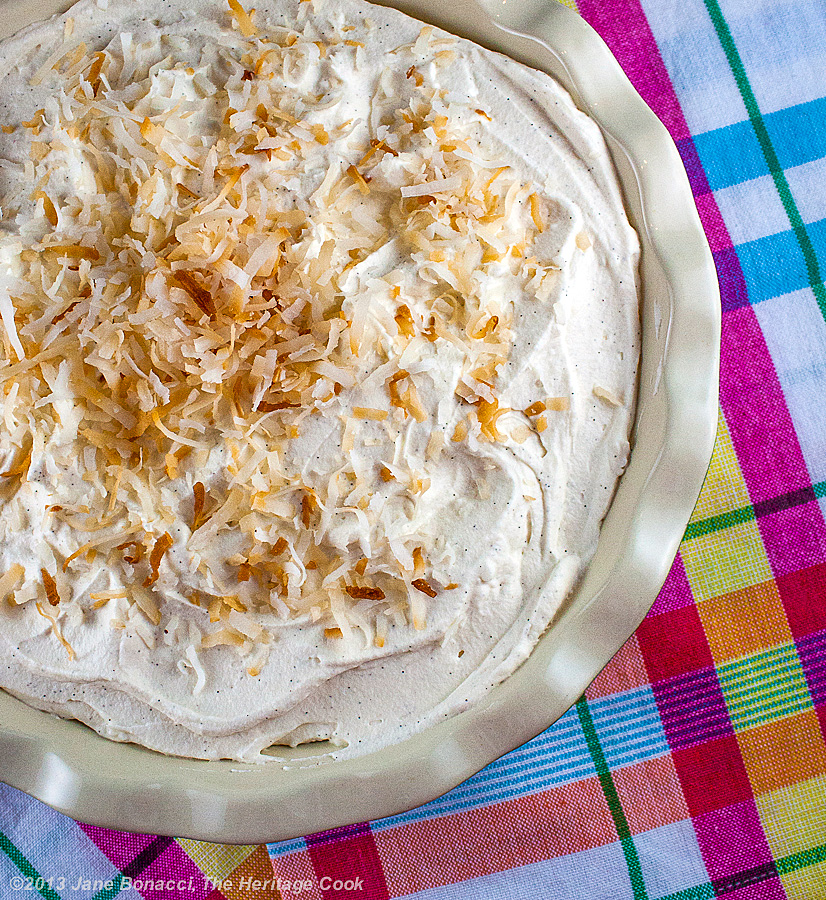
(695, 767)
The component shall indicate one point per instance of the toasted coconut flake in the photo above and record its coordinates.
(436, 186)
(421, 585)
(48, 207)
(56, 631)
(307, 506)
(360, 180)
(138, 555)
(162, 544)
(488, 412)
(536, 213)
(11, 579)
(146, 604)
(242, 17)
(222, 637)
(50, 587)
(198, 510)
(558, 404)
(366, 412)
(102, 597)
(364, 593)
(535, 408)
(199, 294)
(93, 75)
(609, 397)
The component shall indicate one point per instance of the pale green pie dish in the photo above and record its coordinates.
(124, 786)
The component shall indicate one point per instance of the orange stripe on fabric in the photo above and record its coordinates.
(509, 834)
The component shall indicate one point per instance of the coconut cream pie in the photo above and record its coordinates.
(319, 347)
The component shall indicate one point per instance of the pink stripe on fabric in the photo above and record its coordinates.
(713, 224)
(120, 846)
(732, 839)
(623, 26)
(347, 864)
(763, 890)
(675, 593)
(183, 879)
(173, 876)
(758, 420)
(794, 538)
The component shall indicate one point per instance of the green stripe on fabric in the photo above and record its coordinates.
(802, 860)
(718, 523)
(739, 516)
(27, 868)
(701, 892)
(769, 685)
(778, 176)
(632, 859)
(784, 866)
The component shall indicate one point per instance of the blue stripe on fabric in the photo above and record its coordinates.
(629, 727)
(556, 757)
(282, 848)
(732, 154)
(774, 265)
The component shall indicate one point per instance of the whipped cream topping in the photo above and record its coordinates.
(319, 352)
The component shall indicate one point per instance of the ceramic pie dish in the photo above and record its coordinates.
(124, 786)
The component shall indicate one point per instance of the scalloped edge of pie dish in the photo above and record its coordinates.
(124, 786)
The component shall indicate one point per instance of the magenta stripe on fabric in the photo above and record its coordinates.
(692, 708)
(623, 26)
(794, 538)
(675, 593)
(120, 846)
(133, 854)
(732, 839)
(713, 224)
(755, 409)
(812, 652)
(173, 876)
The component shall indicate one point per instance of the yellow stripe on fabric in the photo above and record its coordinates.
(724, 488)
(763, 687)
(794, 817)
(216, 861)
(725, 561)
(805, 884)
(571, 4)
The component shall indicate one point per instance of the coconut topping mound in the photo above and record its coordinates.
(268, 286)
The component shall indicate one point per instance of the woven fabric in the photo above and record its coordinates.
(695, 766)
